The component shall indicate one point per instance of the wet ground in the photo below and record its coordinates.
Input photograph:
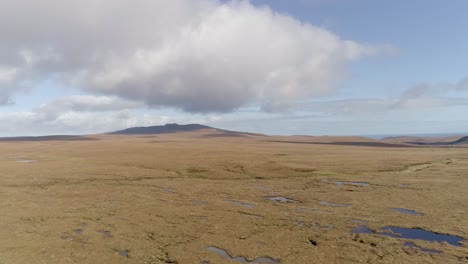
(406, 211)
(125, 201)
(411, 233)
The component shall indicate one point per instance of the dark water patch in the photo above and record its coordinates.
(105, 233)
(223, 253)
(316, 210)
(361, 230)
(334, 204)
(124, 253)
(359, 184)
(250, 206)
(406, 211)
(302, 211)
(422, 249)
(78, 231)
(195, 202)
(280, 199)
(421, 234)
(411, 233)
(353, 183)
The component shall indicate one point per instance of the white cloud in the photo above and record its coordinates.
(86, 103)
(87, 115)
(7, 76)
(435, 89)
(199, 56)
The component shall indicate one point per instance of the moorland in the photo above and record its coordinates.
(214, 196)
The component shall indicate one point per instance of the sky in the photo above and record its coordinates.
(285, 67)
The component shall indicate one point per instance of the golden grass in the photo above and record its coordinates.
(166, 198)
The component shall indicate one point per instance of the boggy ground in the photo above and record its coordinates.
(168, 198)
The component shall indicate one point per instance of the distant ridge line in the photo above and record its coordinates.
(463, 140)
(168, 128)
(176, 128)
(48, 138)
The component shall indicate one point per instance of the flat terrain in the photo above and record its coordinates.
(186, 197)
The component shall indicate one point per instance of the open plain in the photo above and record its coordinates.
(203, 197)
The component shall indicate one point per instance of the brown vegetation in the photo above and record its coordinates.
(165, 199)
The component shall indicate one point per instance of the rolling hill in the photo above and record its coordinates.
(176, 128)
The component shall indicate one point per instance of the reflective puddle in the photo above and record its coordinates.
(353, 183)
(124, 253)
(280, 199)
(25, 161)
(199, 202)
(334, 204)
(223, 253)
(105, 233)
(406, 211)
(411, 233)
(361, 230)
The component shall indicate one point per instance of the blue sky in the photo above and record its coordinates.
(404, 72)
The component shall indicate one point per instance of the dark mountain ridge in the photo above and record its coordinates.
(461, 141)
(168, 128)
(176, 128)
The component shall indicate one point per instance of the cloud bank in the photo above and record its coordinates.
(86, 115)
(199, 56)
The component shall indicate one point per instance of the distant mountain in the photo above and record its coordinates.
(168, 128)
(460, 141)
(176, 128)
(420, 139)
(463, 140)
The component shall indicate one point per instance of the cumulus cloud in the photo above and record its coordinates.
(86, 103)
(435, 89)
(199, 56)
(87, 114)
(7, 76)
